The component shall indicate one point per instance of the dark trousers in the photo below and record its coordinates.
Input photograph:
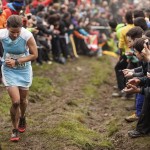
(121, 64)
(56, 47)
(143, 124)
(64, 47)
(59, 46)
(39, 59)
(46, 50)
(81, 46)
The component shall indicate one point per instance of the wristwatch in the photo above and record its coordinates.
(17, 62)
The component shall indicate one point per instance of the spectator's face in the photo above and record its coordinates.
(67, 18)
(114, 1)
(130, 42)
(81, 24)
(14, 32)
(138, 55)
(104, 3)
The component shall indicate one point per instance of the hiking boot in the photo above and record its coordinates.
(135, 134)
(15, 135)
(22, 125)
(132, 118)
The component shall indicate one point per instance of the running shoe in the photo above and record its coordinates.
(22, 124)
(15, 135)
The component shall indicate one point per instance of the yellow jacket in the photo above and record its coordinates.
(123, 39)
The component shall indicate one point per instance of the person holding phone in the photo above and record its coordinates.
(142, 51)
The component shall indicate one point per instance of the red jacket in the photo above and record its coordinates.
(9, 11)
(35, 3)
(87, 1)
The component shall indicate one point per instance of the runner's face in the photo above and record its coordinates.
(14, 32)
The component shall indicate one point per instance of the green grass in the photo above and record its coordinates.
(106, 144)
(43, 68)
(42, 85)
(5, 104)
(98, 76)
(101, 71)
(71, 129)
(112, 127)
(90, 90)
(77, 115)
(78, 134)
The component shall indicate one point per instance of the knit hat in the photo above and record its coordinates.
(19, 3)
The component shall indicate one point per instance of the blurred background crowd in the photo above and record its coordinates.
(65, 29)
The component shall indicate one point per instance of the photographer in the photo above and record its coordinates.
(142, 51)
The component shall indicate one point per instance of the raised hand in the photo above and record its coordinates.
(129, 75)
(146, 51)
(126, 71)
(131, 89)
(134, 81)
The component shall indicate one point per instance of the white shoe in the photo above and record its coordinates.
(49, 62)
(115, 87)
(116, 94)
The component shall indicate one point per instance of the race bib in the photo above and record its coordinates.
(14, 56)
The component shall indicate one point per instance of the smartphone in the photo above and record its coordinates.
(147, 43)
(148, 68)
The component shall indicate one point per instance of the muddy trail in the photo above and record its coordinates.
(71, 108)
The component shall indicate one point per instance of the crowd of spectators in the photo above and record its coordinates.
(63, 29)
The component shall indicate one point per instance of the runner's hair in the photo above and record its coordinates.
(14, 21)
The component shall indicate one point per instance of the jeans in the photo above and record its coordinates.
(139, 103)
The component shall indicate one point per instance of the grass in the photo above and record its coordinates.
(98, 77)
(71, 129)
(65, 79)
(43, 68)
(42, 85)
(139, 142)
(77, 115)
(112, 127)
(5, 103)
(90, 90)
(106, 144)
(78, 134)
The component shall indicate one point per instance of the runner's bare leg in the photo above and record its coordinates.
(15, 108)
(23, 101)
